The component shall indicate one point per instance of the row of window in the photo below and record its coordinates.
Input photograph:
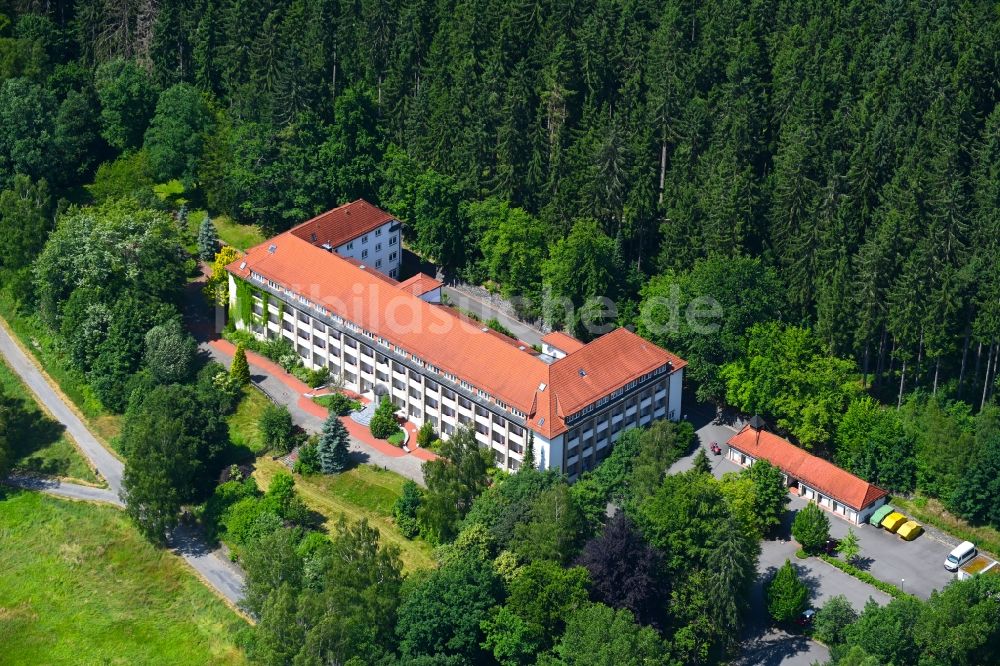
(364, 240)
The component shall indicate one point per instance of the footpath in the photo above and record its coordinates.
(285, 389)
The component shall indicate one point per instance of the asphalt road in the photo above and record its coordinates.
(100, 458)
(63, 489)
(212, 566)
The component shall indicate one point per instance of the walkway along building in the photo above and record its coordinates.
(439, 366)
(833, 488)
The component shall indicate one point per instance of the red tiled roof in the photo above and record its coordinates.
(419, 284)
(371, 271)
(822, 475)
(562, 341)
(485, 359)
(605, 365)
(341, 224)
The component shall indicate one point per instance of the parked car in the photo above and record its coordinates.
(831, 546)
(806, 618)
(962, 553)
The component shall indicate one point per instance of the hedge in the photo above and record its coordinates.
(864, 576)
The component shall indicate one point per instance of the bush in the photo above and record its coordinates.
(338, 403)
(276, 428)
(308, 460)
(811, 528)
(426, 435)
(383, 424)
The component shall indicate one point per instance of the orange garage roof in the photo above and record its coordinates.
(822, 475)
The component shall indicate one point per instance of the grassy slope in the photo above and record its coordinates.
(240, 236)
(932, 512)
(243, 431)
(78, 585)
(47, 449)
(363, 492)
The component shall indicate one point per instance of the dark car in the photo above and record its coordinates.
(806, 618)
(830, 547)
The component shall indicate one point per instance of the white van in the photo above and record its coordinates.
(963, 552)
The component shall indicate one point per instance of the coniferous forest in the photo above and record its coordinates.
(596, 147)
(826, 173)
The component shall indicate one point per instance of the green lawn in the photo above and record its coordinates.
(243, 430)
(240, 236)
(365, 491)
(47, 449)
(78, 585)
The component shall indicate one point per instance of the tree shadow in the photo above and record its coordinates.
(771, 649)
(807, 578)
(32, 432)
(863, 562)
(411, 264)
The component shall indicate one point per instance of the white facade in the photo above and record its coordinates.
(380, 248)
(424, 393)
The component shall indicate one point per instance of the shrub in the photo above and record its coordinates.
(276, 428)
(811, 528)
(308, 460)
(426, 435)
(383, 424)
(339, 404)
(863, 576)
(396, 438)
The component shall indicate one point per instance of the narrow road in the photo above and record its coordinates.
(100, 458)
(63, 489)
(212, 566)
(486, 311)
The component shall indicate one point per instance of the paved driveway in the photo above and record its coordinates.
(212, 566)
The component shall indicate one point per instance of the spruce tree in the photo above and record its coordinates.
(786, 594)
(701, 462)
(240, 369)
(207, 239)
(331, 449)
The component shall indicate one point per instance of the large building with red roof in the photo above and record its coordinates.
(437, 365)
(833, 488)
